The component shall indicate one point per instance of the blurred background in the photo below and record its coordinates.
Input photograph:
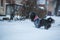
(23, 7)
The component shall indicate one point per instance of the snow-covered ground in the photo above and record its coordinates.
(25, 30)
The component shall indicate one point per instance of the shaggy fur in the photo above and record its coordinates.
(43, 22)
(46, 23)
(32, 16)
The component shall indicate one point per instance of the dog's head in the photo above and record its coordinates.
(51, 20)
(32, 16)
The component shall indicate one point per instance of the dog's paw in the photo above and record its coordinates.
(47, 27)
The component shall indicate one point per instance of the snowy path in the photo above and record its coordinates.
(25, 30)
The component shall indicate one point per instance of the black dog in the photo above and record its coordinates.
(43, 22)
(46, 22)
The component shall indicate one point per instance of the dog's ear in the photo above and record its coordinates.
(32, 16)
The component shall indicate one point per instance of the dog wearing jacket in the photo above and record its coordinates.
(41, 22)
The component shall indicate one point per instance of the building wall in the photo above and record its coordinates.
(2, 6)
(51, 6)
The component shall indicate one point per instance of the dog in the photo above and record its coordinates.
(41, 22)
(46, 23)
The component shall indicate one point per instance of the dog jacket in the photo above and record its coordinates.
(37, 21)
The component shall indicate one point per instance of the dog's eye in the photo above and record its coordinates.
(50, 20)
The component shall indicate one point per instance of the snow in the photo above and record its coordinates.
(25, 30)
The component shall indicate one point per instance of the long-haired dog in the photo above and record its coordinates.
(41, 22)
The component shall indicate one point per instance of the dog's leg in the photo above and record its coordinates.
(37, 22)
(48, 26)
